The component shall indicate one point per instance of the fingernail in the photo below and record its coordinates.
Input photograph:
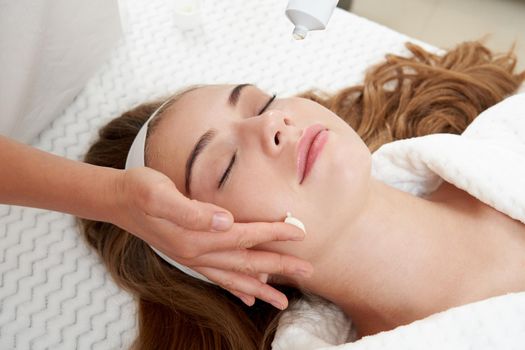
(246, 300)
(221, 221)
(277, 304)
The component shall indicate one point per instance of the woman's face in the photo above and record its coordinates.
(259, 155)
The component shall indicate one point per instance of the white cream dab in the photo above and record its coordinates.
(294, 221)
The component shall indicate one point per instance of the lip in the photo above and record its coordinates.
(308, 148)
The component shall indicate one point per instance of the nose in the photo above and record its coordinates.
(273, 130)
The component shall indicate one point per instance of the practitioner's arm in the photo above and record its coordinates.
(34, 178)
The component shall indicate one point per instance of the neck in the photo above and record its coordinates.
(400, 260)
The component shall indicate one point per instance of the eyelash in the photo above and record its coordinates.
(227, 172)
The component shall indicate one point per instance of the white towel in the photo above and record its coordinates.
(487, 161)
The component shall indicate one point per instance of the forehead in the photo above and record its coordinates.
(181, 126)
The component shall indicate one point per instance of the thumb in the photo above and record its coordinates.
(196, 216)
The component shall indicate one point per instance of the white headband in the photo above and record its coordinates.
(135, 159)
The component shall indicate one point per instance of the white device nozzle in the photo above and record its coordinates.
(309, 15)
(299, 32)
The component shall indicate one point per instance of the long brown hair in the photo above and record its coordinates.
(400, 98)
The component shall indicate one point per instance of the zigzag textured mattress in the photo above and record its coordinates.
(54, 292)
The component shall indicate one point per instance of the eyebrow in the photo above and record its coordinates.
(236, 92)
(207, 137)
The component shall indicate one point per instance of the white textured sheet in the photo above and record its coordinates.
(54, 292)
(487, 161)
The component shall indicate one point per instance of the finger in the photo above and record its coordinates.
(246, 284)
(252, 262)
(189, 213)
(179, 243)
(250, 299)
(247, 299)
(246, 235)
(263, 277)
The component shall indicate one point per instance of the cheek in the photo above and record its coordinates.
(354, 161)
(355, 170)
(257, 196)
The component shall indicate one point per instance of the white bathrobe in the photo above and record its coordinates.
(488, 162)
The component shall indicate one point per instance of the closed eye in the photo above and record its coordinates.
(228, 169)
(227, 172)
(267, 104)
